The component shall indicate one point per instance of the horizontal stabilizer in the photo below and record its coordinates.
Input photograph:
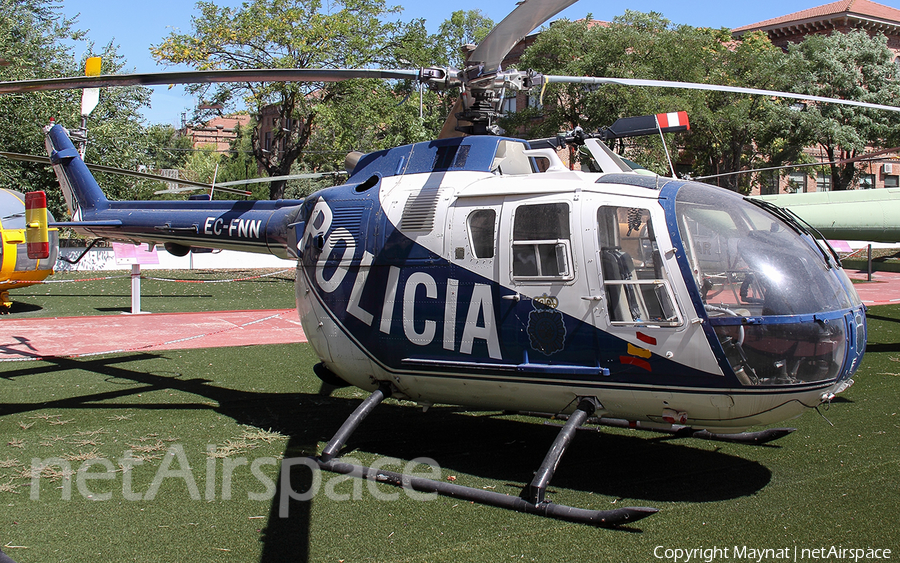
(73, 224)
(624, 127)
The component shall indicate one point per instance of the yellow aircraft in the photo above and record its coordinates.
(28, 248)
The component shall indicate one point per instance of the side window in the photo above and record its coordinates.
(481, 232)
(541, 246)
(637, 291)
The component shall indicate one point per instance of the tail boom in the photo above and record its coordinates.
(250, 226)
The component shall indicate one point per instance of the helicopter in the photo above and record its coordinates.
(481, 271)
(869, 215)
(28, 248)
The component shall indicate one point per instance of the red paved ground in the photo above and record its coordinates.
(78, 336)
(884, 289)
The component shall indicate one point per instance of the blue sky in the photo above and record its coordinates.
(136, 25)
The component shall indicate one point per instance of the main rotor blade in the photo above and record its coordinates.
(205, 77)
(710, 87)
(224, 185)
(307, 176)
(520, 22)
(113, 170)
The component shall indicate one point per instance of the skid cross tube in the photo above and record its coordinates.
(757, 438)
(605, 518)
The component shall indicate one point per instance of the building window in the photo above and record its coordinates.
(509, 105)
(768, 183)
(541, 242)
(891, 181)
(823, 182)
(867, 181)
(797, 182)
(534, 101)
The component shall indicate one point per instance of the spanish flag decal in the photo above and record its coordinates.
(638, 357)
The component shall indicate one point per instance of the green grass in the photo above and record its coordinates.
(822, 486)
(105, 293)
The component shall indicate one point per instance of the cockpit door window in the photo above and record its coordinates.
(636, 288)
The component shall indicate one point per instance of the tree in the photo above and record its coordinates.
(32, 33)
(418, 48)
(726, 128)
(166, 147)
(33, 37)
(461, 28)
(116, 133)
(283, 34)
(853, 66)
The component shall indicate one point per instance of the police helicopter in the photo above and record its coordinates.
(481, 271)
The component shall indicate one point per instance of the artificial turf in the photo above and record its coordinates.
(832, 483)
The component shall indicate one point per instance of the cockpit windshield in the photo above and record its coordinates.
(744, 257)
(766, 286)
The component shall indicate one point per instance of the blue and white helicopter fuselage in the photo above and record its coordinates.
(479, 272)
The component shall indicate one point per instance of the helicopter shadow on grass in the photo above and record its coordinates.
(883, 347)
(482, 445)
(871, 316)
(20, 308)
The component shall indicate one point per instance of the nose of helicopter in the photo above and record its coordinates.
(783, 311)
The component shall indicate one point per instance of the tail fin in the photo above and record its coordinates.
(81, 191)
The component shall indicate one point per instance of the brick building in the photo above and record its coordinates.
(837, 17)
(217, 132)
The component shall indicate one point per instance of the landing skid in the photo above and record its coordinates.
(751, 438)
(532, 499)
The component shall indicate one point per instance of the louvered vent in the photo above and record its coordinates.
(347, 217)
(418, 213)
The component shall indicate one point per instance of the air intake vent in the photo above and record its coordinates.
(347, 217)
(418, 213)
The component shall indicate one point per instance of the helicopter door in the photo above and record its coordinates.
(541, 268)
(635, 287)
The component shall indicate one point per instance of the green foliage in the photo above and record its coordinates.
(33, 35)
(417, 48)
(166, 147)
(116, 131)
(462, 28)
(726, 128)
(851, 66)
(238, 163)
(370, 115)
(730, 132)
(283, 34)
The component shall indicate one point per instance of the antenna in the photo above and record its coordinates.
(212, 186)
(665, 147)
